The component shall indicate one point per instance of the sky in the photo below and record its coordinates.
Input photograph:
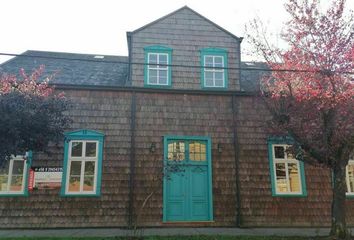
(100, 26)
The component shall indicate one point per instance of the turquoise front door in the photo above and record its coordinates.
(187, 181)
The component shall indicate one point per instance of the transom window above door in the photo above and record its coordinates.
(214, 68)
(187, 150)
(157, 66)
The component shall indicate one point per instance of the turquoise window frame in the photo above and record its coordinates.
(284, 141)
(163, 50)
(214, 52)
(169, 138)
(83, 135)
(25, 193)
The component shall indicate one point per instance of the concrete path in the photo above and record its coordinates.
(114, 232)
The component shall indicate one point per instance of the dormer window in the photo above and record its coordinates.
(157, 66)
(214, 68)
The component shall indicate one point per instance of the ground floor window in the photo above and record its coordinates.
(13, 175)
(82, 163)
(287, 173)
(350, 176)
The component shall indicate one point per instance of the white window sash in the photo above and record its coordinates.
(286, 161)
(214, 70)
(10, 174)
(83, 159)
(158, 68)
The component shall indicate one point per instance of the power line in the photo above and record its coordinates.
(169, 65)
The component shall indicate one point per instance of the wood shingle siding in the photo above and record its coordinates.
(171, 114)
(109, 97)
(187, 34)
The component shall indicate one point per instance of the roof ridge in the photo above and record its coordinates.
(190, 9)
(72, 53)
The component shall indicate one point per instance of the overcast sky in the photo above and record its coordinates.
(100, 26)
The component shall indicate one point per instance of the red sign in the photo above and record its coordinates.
(31, 179)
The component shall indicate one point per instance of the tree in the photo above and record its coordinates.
(32, 114)
(310, 91)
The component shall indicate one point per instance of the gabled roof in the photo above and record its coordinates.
(181, 9)
(72, 68)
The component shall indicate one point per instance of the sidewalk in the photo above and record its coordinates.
(114, 232)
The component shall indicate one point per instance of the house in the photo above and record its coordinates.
(178, 99)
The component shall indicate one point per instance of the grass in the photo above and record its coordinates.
(173, 238)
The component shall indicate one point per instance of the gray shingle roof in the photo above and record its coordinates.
(72, 68)
(85, 69)
(251, 74)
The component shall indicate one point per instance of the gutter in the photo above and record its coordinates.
(152, 90)
(237, 163)
(132, 162)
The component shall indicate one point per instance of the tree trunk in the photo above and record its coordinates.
(339, 228)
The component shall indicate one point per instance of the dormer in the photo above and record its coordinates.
(184, 50)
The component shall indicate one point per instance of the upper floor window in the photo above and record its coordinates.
(287, 173)
(82, 163)
(157, 66)
(350, 177)
(214, 68)
(14, 174)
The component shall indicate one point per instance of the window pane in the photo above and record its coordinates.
(90, 149)
(162, 76)
(3, 182)
(17, 167)
(197, 151)
(208, 61)
(163, 59)
(218, 61)
(209, 83)
(281, 177)
(176, 151)
(351, 178)
(289, 153)
(75, 168)
(88, 183)
(17, 175)
(74, 178)
(89, 168)
(219, 83)
(203, 152)
(74, 184)
(152, 76)
(4, 171)
(279, 152)
(153, 58)
(208, 75)
(76, 149)
(89, 176)
(219, 76)
(16, 183)
(294, 177)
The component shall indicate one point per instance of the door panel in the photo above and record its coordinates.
(176, 205)
(199, 192)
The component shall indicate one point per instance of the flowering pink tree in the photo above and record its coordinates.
(31, 113)
(313, 100)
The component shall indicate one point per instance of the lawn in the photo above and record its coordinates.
(173, 238)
